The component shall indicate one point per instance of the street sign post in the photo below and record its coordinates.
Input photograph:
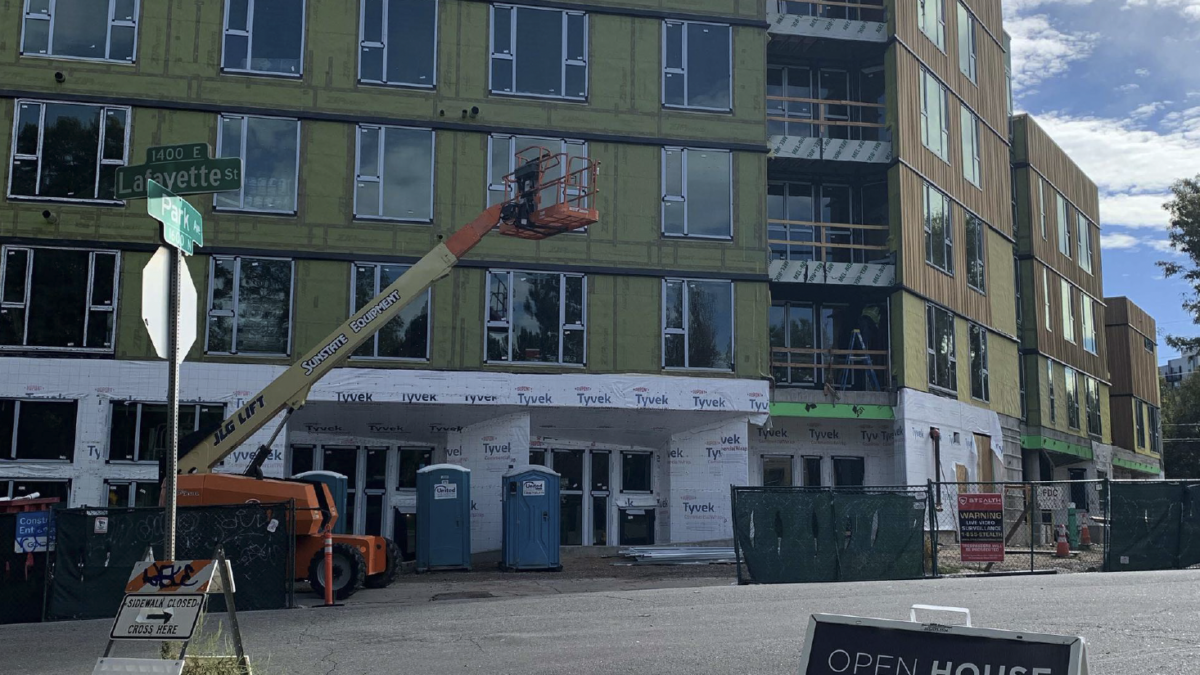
(156, 304)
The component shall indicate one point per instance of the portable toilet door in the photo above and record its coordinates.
(531, 519)
(443, 517)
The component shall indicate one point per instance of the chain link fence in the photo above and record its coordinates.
(98, 548)
(1034, 513)
(790, 535)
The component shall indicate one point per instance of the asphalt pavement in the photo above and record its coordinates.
(1142, 623)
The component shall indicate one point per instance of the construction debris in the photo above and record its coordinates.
(677, 555)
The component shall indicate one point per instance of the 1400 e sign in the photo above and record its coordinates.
(183, 169)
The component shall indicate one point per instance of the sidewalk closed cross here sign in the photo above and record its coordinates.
(158, 617)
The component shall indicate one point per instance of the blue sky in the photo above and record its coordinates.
(1116, 83)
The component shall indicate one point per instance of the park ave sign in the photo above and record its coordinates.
(181, 169)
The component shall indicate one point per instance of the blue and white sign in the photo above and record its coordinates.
(35, 532)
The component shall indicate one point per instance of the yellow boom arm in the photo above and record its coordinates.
(290, 389)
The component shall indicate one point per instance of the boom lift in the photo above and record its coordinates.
(548, 194)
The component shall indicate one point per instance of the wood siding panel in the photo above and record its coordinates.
(1124, 429)
(1134, 370)
(1050, 339)
(1042, 152)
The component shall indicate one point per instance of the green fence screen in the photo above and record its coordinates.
(1155, 526)
(793, 535)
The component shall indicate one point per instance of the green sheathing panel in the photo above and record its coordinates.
(1055, 445)
(908, 341)
(1136, 466)
(840, 411)
(1004, 380)
(1001, 288)
(1105, 414)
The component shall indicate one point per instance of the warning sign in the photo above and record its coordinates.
(981, 527)
(178, 576)
(158, 617)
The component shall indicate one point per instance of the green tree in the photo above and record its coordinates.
(1181, 420)
(1184, 233)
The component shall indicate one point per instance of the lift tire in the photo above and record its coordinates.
(390, 571)
(349, 571)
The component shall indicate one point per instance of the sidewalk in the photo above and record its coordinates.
(580, 574)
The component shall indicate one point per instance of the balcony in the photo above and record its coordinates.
(864, 21)
(831, 347)
(819, 129)
(813, 239)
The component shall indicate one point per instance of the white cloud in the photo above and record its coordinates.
(1161, 245)
(1140, 210)
(1132, 86)
(1142, 72)
(1039, 50)
(1189, 9)
(1118, 240)
(1148, 109)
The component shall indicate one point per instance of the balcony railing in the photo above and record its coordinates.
(825, 253)
(810, 128)
(865, 20)
(840, 369)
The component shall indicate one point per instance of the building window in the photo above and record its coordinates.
(269, 148)
(1083, 232)
(636, 470)
(406, 336)
(793, 330)
(939, 345)
(976, 265)
(136, 494)
(539, 52)
(138, 432)
(1140, 409)
(697, 193)
(1068, 310)
(1050, 389)
(413, 460)
(931, 18)
(1092, 401)
(96, 30)
(1018, 293)
(939, 230)
(1041, 204)
(1148, 344)
(849, 471)
(58, 298)
(1021, 382)
(249, 306)
(38, 430)
(502, 161)
(777, 471)
(697, 324)
(535, 317)
(1064, 225)
(394, 179)
(275, 48)
(44, 489)
(970, 146)
(697, 65)
(1155, 436)
(979, 362)
(398, 42)
(935, 116)
(1072, 397)
(1046, 299)
(67, 151)
(966, 43)
(1087, 310)
(812, 472)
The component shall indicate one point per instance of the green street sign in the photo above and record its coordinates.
(182, 226)
(176, 153)
(183, 177)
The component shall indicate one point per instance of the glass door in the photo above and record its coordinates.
(598, 483)
(569, 465)
(344, 460)
(584, 492)
(374, 490)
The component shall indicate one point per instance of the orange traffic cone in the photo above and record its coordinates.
(1085, 531)
(1063, 549)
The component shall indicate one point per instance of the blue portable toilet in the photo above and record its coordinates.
(338, 490)
(531, 519)
(443, 517)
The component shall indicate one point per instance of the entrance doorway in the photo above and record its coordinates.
(585, 490)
